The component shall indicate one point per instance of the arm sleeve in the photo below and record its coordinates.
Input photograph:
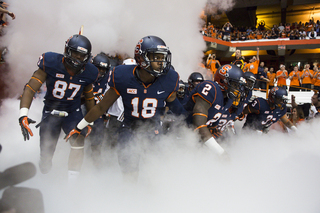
(176, 107)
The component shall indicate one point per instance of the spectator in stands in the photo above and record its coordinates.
(306, 77)
(260, 72)
(281, 27)
(210, 29)
(220, 35)
(243, 36)
(253, 65)
(266, 34)
(312, 34)
(303, 33)
(316, 78)
(296, 115)
(287, 28)
(274, 33)
(282, 34)
(294, 78)
(264, 79)
(212, 63)
(281, 76)
(204, 30)
(248, 30)
(259, 35)
(309, 25)
(271, 75)
(315, 106)
(239, 59)
(292, 35)
(317, 27)
(227, 29)
(252, 36)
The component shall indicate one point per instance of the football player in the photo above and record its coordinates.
(181, 91)
(115, 112)
(193, 80)
(102, 62)
(226, 121)
(67, 77)
(262, 113)
(212, 99)
(145, 88)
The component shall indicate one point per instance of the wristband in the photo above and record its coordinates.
(23, 111)
(212, 144)
(294, 128)
(82, 124)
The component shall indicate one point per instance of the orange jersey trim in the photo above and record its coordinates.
(177, 83)
(90, 98)
(199, 127)
(204, 98)
(27, 85)
(201, 114)
(88, 91)
(37, 80)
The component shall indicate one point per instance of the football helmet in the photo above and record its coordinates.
(144, 54)
(77, 44)
(278, 96)
(231, 80)
(102, 62)
(194, 79)
(181, 90)
(250, 80)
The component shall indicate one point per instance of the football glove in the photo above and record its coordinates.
(76, 132)
(24, 122)
(99, 96)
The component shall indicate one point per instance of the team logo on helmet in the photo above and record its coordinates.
(137, 50)
(224, 70)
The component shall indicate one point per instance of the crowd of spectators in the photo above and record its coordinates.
(294, 31)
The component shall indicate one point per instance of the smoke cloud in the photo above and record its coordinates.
(271, 173)
(111, 26)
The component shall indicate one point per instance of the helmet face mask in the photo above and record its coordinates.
(235, 91)
(180, 92)
(250, 80)
(102, 62)
(77, 52)
(194, 79)
(152, 55)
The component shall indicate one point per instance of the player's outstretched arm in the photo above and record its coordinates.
(200, 117)
(30, 89)
(109, 98)
(288, 123)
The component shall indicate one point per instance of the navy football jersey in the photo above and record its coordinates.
(266, 116)
(63, 90)
(210, 92)
(142, 102)
(230, 115)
